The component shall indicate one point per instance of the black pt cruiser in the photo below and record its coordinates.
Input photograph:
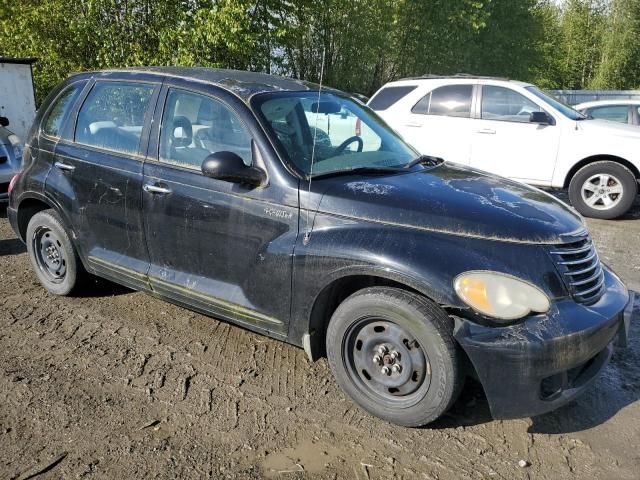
(294, 211)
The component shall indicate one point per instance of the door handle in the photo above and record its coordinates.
(487, 131)
(155, 189)
(65, 166)
(413, 124)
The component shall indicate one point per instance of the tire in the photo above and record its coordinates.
(429, 377)
(52, 254)
(595, 199)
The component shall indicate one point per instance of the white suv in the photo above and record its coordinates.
(515, 130)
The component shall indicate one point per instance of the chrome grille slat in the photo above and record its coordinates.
(581, 260)
(579, 264)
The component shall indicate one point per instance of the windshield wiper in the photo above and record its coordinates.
(358, 170)
(426, 160)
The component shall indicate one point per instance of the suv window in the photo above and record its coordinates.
(613, 113)
(389, 95)
(112, 116)
(504, 104)
(57, 114)
(450, 100)
(195, 126)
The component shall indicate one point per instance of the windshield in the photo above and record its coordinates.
(564, 109)
(348, 135)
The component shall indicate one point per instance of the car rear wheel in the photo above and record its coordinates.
(393, 353)
(52, 254)
(603, 190)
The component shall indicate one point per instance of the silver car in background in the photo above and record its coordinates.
(10, 158)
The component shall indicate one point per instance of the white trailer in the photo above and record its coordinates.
(17, 94)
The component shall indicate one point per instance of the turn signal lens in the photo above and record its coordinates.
(499, 295)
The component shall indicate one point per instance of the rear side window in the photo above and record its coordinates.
(112, 116)
(450, 101)
(61, 107)
(388, 96)
(613, 113)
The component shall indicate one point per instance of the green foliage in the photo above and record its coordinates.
(570, 44)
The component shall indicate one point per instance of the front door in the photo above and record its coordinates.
(98, 176)
(221, 247)
(507, 144)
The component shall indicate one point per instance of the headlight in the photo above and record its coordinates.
(14, 140)
(499, 295)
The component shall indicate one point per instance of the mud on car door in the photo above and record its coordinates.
(220, 247)
(97, 177)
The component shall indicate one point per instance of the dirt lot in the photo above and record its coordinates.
(117, 384)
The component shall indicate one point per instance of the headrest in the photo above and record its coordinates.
(181, 132)
(95, 127)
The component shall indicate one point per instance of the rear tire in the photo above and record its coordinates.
(393, 353)
(603, 189)
(52, 254)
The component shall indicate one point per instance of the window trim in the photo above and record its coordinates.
(481, 96)
(146, 125)
(430, 93)
(54, 102)
(158, 114)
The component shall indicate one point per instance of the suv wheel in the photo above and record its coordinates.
(603, 190)
(52, 254)
(393, 353)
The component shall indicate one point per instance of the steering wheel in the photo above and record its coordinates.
(341, 148)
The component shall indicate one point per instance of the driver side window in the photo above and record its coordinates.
(195, 126)
(504, 104)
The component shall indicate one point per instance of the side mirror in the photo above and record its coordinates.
(229, 167)
(4, 122)
(542, 118)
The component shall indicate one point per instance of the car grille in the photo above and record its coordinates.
(580, 266)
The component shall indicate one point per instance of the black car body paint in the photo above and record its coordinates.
(237, 252)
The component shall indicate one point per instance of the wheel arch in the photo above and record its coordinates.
(600, 158)
(32, 203)
(338, 289)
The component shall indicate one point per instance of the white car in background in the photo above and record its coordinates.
(515, 130)
(622, 111)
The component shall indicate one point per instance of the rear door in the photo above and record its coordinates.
(440, 122)
(507, 144)
(97, 177)
(217, 246)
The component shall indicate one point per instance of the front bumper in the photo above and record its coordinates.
(544, 362)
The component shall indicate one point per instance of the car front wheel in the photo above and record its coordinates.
(393, 353)
(603, 190)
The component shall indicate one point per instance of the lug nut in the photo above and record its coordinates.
(394, 355)
(385, 370)
(377, 359)
(396, 368)
(382, 349)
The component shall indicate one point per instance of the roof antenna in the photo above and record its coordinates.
(307, 234)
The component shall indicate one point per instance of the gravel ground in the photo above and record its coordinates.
(117, 384)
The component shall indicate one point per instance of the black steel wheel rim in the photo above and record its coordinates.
(49, 254)
(386, 362)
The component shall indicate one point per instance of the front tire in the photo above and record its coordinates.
(52, 255)
(393, 353)
(603, 189)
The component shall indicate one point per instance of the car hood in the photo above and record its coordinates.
(453, 199)
(604, 127)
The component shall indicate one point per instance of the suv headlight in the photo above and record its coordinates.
(15, 142)
(500, 296)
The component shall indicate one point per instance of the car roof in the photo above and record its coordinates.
(241, 83)
(602, 103)
(466, 78)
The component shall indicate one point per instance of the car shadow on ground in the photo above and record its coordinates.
(617, 387)
(12, 246)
